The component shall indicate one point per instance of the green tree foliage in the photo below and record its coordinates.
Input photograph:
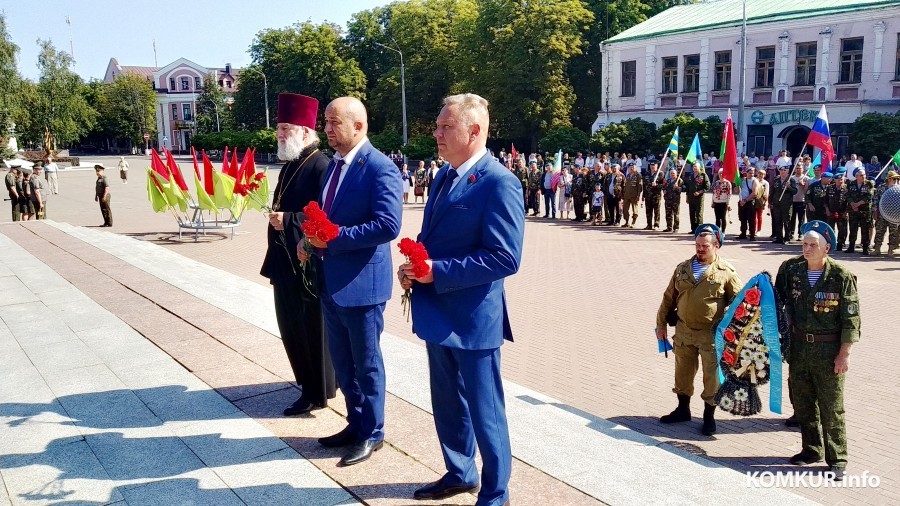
(517, 54)
(10, 85)
(127, 108)
(213, 112)
(874, 134)
(263, 140)
(687, 126)
(60, 110)
(421, 147)
(568, 139)
(632, 135)
(304, 58)
(387, 141)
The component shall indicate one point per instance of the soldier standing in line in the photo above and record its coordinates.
(652, 192)
(612, 186)
(781, 196)
(522, 175)
(12, 178)
(634, 185)
(859, 198)
(836, 210)
(882, 226)
(821, 309)
(534, 188)
(696, 185)
(672, 195)
(815, 197)
(699, 289)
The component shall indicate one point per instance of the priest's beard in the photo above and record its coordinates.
(290, 149)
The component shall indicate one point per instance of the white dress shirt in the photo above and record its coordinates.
(466, 167)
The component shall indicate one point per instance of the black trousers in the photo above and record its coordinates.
(747, 215)
(613, 213)
(534, 201)
(106, 211)
(579, 201)
(652, 207)
(798, 217)
(721, 211)
(781, 222)
(302, 330)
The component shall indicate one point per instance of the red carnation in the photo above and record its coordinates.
(259, 176)
(416, 255)
(729, 335)
(740, 313)
(729, 357)
(752, 296)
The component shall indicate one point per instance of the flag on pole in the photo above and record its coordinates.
(224, 185)
(155, 194)
(728, 153)
(820, 137)
(896, 158)
(194, 159)
(175, 171)
(673, 145)
(225, 162)
(208, 170)
(204, 201)
(158, 166)
(695, 153)
(557, 164)
(514, 153)
(816, 161)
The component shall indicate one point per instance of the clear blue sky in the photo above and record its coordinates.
(210, 33)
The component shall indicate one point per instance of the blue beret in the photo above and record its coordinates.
(841, 170)
(827, 174)
(711, 229)
(822, 229)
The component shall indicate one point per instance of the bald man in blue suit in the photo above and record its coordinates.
(473, 229)
(361, 194)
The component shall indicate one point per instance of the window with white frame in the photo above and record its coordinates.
(629, 78)
(851, 60)
(806, 64)
(670, 75)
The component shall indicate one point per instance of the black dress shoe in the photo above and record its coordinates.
(438, 490)
(345, 437)
(299, 407)
(792, 421)
(360, 452)
(803, 459)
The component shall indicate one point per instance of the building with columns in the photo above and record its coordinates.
(799, 55)
(177, 86)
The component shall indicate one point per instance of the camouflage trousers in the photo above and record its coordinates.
(839, 225)
(818, 397)
(695, 210)
(651, 205)
(672, 211)
(860, 222)
(882, 227)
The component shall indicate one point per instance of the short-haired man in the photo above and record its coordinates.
(747, 205)
(473, 231)
(297, 309)
(781, 195)
(101, 195)
(821, 309)
(699, 290)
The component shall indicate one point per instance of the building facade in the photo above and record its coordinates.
(801, 54)
(178, 86)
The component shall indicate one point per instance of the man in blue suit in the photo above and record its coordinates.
(362, 195)
(473, 229)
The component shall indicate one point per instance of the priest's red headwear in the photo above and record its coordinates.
(297, 110)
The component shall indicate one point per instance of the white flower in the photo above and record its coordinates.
(750, 345)
(745, 353)
(745, 362)
(761, 373)
(726, 403)
(741, 395)
(759, 365)
(759, 356)
(763, 348)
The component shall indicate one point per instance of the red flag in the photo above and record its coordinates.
(728, 153)
(233, 166)
(208, 175)
(157, 165)
(225, 162)
(194, 159)
(176, 172)
(514, 153)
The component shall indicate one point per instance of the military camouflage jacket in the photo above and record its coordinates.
(778, 195)
(815, 195)
(673, 189)
(617, 186)
(835, 199)
(696, 182)
(830, 306)
(857, 193)
(522, 176)
(534, 180)
(650, 191)
(634, 184)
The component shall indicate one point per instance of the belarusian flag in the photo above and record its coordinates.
(728, 153)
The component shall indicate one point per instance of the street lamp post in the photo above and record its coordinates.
(743, 78)
(265, 92)
(402, 88)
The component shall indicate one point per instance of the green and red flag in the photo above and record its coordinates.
(728, 153)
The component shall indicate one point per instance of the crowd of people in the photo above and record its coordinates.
(611, 189)
(28, 192)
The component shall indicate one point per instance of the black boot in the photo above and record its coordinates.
(681, 414)
(709, 420)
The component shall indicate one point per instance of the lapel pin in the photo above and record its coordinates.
(359, 160)
(472, 178)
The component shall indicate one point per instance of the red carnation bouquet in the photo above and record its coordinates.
(319, 226)
(416, 255)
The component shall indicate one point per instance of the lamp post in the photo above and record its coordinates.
(743, 77)
(265, 92)
(402, 88)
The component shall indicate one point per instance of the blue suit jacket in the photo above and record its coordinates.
(368, 206)
(474, 237)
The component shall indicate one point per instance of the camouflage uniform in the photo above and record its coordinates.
(534, 188)
(522, 175)
(696, 182)
(595, 178)
(11, 188)
(815, 200)
(882, 226)
(634, 185)
(672, 194)
(580, 194)
(821, 319)
(862, 217)
(836, 211)
(781, 202)
(653, 187)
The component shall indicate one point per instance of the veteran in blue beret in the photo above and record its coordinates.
(815, 197)
(819, 303)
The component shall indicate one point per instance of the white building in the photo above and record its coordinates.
(800, 54)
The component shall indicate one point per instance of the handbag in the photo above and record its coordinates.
(419, 191)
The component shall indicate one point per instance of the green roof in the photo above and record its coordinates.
(728, 13)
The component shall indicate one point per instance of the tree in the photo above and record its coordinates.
(213, 112)
(874, 134)
(568, 139)
(10, 86)
(303, 58)
(61, 112)
(632, 135)
(516, 56)
(128, 108)
(387, 141)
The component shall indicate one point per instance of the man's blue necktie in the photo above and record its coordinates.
(448, 183)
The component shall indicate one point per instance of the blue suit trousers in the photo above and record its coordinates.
(354, 341)
(468, 405)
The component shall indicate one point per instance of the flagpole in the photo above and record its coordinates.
(799, 157)
(884, 168)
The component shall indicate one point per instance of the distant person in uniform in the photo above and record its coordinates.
(101, 195)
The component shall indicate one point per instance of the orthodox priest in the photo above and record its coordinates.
(297, 308)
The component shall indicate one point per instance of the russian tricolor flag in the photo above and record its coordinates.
(820, 137)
